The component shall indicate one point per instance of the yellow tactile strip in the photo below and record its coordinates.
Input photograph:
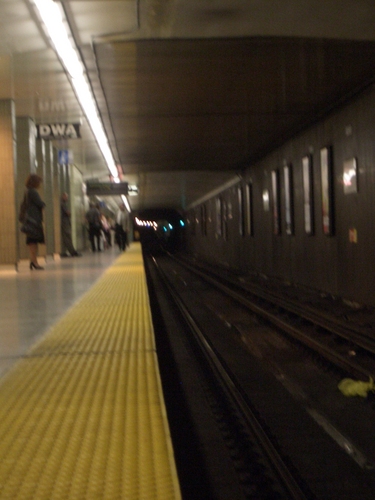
(82, 416)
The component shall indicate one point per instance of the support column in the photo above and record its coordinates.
(71, 182)
(64, 178)
(8, 211)
(56, 203)
(77, 209)
(64, 188)
(49, 215)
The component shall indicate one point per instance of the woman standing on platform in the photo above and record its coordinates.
(34, 213)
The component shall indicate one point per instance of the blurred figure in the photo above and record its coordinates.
(66, 228)
(122, 227)
(95, 227)
(111, 223)
(34, 214)
(106, 228)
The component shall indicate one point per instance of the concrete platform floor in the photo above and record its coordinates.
(32, 301)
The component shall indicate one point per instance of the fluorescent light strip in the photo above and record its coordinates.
(50, 14)
(126, 202)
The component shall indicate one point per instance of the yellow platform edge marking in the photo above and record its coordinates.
(83, 415)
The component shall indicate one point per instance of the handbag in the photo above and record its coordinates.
(31, 228)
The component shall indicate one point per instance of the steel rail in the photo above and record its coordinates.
(336, 327)
(349, 366)
(320, 319)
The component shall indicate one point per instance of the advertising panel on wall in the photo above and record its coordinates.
(218, 210)
(308, 194)
(276, 201)
(249, 209)
(326, 175)
(350, 176)
(288, 187)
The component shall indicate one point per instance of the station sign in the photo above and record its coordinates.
(65, 157)
(50, 131)
(106, 188)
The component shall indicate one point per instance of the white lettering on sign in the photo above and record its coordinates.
(71, 131)
(59, 131)
(44, 130)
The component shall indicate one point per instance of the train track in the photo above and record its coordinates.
(249, 425)
(347, 348)
(246, 430)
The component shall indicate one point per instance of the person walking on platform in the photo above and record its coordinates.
(93, 219)
(66, 228)
(106, 231)
(33, 218)
(122, 227)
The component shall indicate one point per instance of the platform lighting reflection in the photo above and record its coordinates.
(349, 176)
(52, 18)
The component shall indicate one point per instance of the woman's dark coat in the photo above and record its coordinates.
(34, 210)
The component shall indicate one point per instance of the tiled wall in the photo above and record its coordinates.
(8, 218)
(20, 155)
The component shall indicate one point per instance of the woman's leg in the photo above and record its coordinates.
(33, 250)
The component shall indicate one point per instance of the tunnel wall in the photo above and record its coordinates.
(320, 234)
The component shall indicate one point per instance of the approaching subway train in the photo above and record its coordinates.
(304, 213)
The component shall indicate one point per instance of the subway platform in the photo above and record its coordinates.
(82, 414)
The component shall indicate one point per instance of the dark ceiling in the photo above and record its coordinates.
(221, 104)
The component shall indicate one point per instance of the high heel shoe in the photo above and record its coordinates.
(35, 266)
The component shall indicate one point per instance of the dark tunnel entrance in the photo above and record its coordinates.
(159, 230)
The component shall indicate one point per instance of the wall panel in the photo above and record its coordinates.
(341, 264)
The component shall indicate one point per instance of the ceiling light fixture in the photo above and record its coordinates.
(126, 202)
(51, 15)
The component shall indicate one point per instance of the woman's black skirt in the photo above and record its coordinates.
(33, 241)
